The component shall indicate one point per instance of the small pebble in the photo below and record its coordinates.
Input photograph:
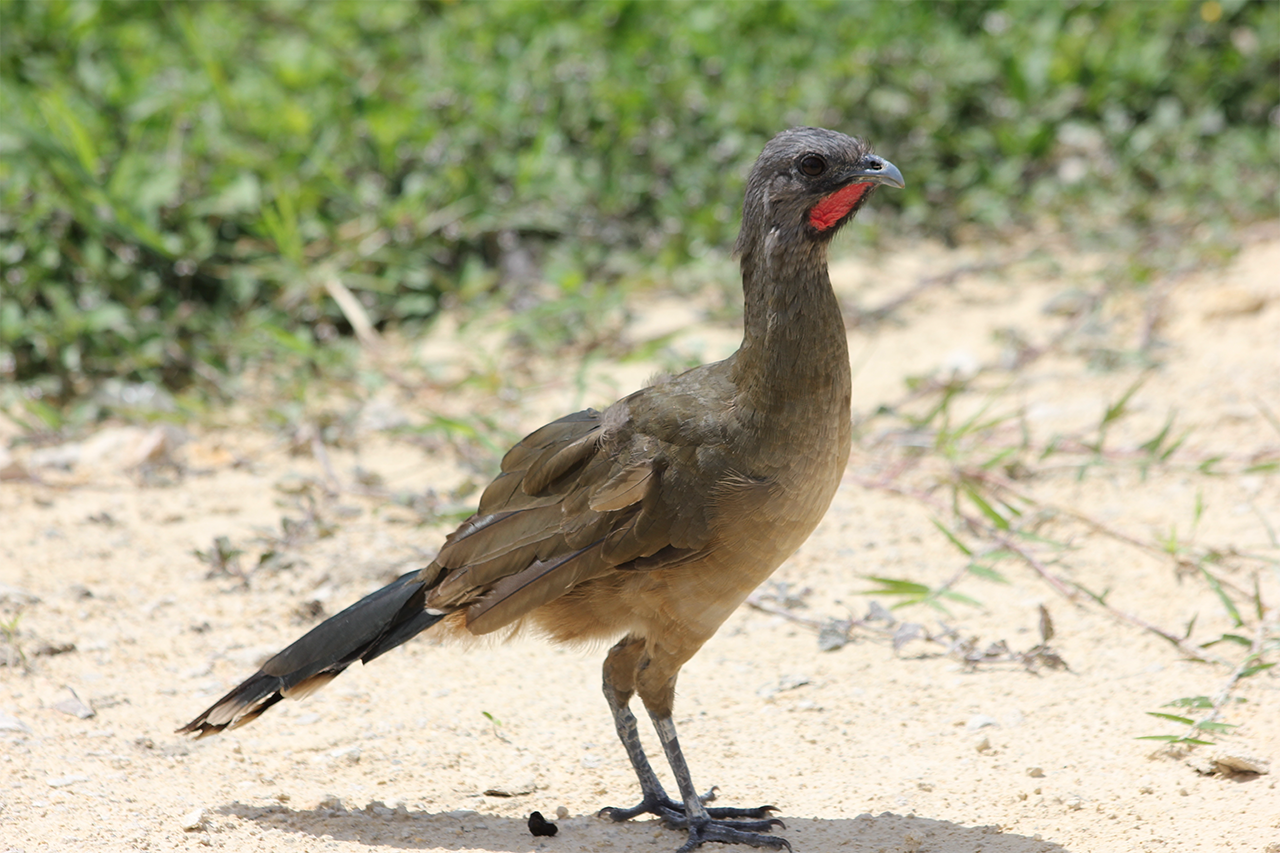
(12, 724)
(1035, 772)
(561, 812)
(73, 706)
(1228, 302)
(17, 596)
(1239, 761)
(980, 721)
(193, 821)
(64, 781)
(332, 802)
(349, 754)
(511, 789)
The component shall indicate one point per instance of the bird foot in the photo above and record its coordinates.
(735, 832)
(733, 820)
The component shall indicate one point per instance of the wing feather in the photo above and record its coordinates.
(584, 495)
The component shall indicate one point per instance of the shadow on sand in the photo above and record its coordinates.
(465, 830)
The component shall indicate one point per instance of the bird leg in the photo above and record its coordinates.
(619, 686)
(706, 824)
(709, 824)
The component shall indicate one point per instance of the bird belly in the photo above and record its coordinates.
(685, 604)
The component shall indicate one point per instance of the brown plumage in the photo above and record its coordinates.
(654, 519)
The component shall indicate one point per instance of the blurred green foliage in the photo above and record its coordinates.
(177, 178)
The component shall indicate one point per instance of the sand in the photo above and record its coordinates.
(870, 745)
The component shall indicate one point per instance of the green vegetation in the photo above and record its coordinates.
(181, 184)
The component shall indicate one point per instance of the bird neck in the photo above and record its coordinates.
(794, 358)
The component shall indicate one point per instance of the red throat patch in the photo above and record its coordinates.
(832, 209)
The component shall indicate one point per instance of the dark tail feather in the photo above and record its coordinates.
(371, 627)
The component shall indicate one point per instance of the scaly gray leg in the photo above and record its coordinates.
(702, 822)
(619, 672)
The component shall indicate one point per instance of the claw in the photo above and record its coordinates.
(726, 825)
(727, 833)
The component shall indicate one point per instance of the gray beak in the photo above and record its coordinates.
(878, 170)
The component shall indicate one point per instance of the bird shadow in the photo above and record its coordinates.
(378, 826)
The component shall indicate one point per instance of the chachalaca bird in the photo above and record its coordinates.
(654, 519)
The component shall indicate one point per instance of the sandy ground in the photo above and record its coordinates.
(864, 747)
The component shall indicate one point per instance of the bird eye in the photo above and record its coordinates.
(813, 165)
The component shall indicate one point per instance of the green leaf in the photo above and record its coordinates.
(1120, 407)
(987, 573)
(964, 549)
(952, 595)
(1208, 726)
(1176, 739)
(1000, 522)
(1227, 603)
(1186, 721)
(894, 586)
(1255, 669)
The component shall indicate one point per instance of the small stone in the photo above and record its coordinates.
(1035, 772)
(877, 613)
(561, 812)
(193, 821)
(16, 596)
(905, 633)
(1227, 760)
(12, 724)
(1226, 302)
(980, 721)
(1201, 764)
(1069, 303)
(833, 635)
(783, 684)
(73, 706)
(983, 745)
(348, 754)
(511, 789)
(332, 802)
(64, 781)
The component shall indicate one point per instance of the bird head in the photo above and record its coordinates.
(806, 184)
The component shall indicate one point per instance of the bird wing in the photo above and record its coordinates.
(629, 489)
